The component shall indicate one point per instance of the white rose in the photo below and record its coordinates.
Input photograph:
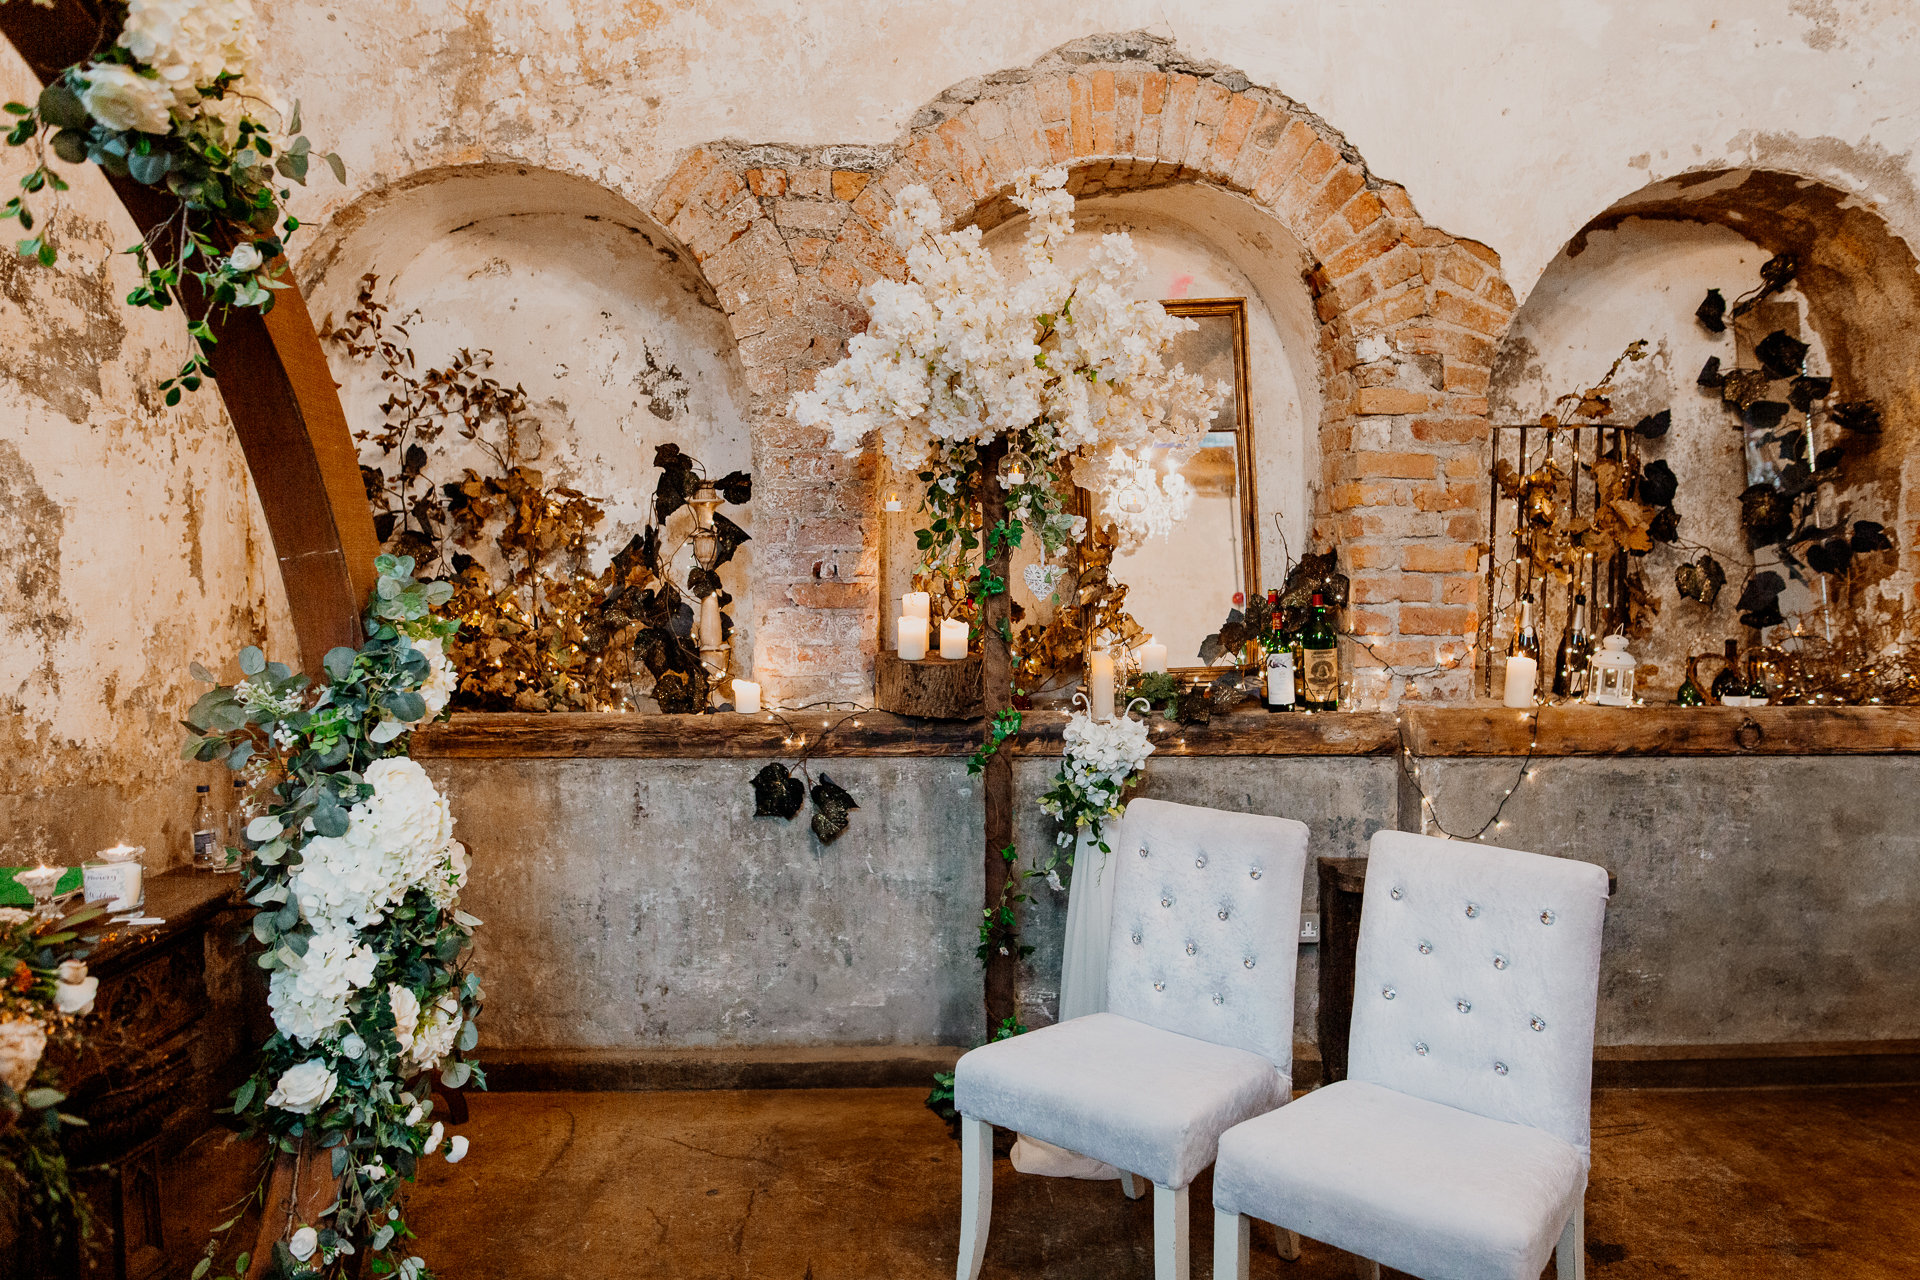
(433, 1139)
(352, 1046)
(21, 1044)
(302, 1243)
(73, 971)
(437, 1032)
(10, 916)
(75, 998)
(304, 1089)
(121, 98)
(406, 1014)
(457, 1149)
(245, 257)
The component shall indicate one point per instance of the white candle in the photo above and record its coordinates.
(1153, 657)
(893, 502)
(746, 697)
(916, 604)
(913, 639)
(1100, 684)
(953, 639)
(1521, 673)
(710, 622)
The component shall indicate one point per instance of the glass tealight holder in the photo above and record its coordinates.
(41, 882)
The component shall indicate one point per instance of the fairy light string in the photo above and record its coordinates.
(1429, 815)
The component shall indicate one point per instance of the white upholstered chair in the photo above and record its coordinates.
(1198, 1031)
(1458, 1145)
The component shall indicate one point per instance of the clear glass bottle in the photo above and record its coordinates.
(207, 855)
(1320, 660)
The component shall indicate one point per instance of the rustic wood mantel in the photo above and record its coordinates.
(1452, 731)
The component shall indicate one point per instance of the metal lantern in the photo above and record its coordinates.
(1610, 674)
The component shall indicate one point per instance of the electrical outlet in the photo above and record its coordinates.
(1309, 927)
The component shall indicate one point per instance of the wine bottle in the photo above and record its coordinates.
(1320, 660)
(1690, 695)
(1729, 684)
(1756, 683)
(1281, 689)
(1526, 640)
(206, 839)
(1570, 660)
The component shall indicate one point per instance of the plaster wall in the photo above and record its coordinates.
(130, 544)
(1511, 122)
(1756, 902)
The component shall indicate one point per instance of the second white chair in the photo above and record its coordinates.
(1457, 1147)
(1198, 1033)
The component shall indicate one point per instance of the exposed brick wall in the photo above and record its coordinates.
(1409, 320)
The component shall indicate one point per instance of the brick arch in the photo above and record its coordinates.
(1409, 319)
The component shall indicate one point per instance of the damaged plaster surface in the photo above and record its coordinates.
(130, 544)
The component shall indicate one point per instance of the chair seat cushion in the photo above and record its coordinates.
(1149, 1101)
(1415, 1185)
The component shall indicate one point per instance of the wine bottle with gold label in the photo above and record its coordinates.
(1320, 661)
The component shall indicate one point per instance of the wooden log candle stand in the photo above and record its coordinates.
(936, 688)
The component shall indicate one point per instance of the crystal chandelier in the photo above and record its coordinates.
(1142, 503)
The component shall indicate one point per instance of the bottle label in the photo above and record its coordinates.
(1280, 679)
(203, 850)
(1322, 674)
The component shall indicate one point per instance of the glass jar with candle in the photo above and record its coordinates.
(115, 876)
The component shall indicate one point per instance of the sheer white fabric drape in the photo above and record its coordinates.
(1083, 990)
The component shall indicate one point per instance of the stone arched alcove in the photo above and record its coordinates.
(584, 300)
(1408, 318)
(1639, 270)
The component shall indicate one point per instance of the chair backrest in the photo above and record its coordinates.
(1476, 980)
(1206, 924)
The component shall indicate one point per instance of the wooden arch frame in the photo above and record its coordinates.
(271, 374)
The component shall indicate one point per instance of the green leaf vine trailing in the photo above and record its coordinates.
(168, 100)
(356, 877)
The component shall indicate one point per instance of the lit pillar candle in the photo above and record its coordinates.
(1100, 684)
(746, 697)
(913, 639)
(1521, 674)
(953, 639)
(710, 621)
(1153, 657)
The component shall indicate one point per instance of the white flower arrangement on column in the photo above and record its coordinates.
(355, 877)
(1100, 761)
(1068, 366)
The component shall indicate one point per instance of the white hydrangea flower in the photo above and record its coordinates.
(441, 677)
(434, 1039)
(395, 841)
(309, 997)
(191, 43)
(121, 98)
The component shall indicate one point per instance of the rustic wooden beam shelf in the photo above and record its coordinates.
(1430, 731)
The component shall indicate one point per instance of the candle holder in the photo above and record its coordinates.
(41, 882)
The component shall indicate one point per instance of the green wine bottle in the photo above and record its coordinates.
(1729, 683)
(1690, 695)
(1320, 660)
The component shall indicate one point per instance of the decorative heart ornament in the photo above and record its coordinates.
(1043, 578)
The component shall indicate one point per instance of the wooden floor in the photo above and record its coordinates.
(831, 1183)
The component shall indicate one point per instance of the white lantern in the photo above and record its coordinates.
(1610, 683)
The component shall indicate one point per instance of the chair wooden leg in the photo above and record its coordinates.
(1287, 1244)
(1365, 1268)
(976, 1195)
(1570, 1259)
(1170, 1261)
(1131, 1185)
(1232, 1235)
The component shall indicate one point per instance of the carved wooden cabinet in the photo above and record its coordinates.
(165, 1027)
